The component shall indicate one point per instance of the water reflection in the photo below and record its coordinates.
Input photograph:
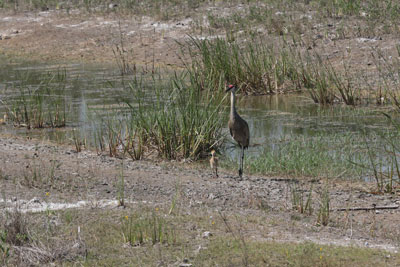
(271, 119)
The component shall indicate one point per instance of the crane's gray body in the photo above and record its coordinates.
(238, 128)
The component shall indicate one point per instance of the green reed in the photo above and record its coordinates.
(173, 117)
(37, 101)
(149, 228)
(257, 68)
(180, 121)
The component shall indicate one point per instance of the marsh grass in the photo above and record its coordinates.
(238, 235)
(173, 117)
(37, 102)
(256, 68)
(299, 203)
(77, 140)
(389, 78)
(4, 247)
(181, 121)
(383, 161)
(324, 207)
(241, 58)
(302, 254)
(316, 80)
(123, 57)
(39, 174)
(318, 156)
(16, 230)
(151, 228)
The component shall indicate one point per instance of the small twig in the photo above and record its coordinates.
(227, 225)
(369, 208)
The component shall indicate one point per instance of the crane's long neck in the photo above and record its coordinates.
(233, 108)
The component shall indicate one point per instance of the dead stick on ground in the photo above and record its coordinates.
(370, 208)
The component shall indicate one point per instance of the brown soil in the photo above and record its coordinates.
(30, 168)
(55, 36)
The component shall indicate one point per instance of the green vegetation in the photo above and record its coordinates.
(228, 252)
(299, 203)
(320, 156)
(148, 235)
(175, 117)
(324, 210)
(139, 229)
(37, 101)
(383, 161)
(369, 155)
(259, 67)
(256, 69)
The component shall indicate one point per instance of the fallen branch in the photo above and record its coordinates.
(369, 208)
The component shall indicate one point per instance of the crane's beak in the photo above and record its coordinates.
(229, 87)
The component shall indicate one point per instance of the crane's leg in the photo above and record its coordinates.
(241, 163)
(242, 158)
(240, 170)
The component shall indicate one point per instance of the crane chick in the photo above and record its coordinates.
(214, 163)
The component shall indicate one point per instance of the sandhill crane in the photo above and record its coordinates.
(238, 127)
(214, 163)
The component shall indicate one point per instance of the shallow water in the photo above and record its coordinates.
(273, 120)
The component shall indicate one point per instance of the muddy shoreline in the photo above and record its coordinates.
(37, 173)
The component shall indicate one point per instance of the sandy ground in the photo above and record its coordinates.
(31, 168)
(55, 36)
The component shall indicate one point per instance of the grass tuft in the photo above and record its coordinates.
(139, 230)
(175, 118)
(37, 101)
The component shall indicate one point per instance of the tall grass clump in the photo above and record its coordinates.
(324, 207)
(37, 101)
(300, 202)
(325, 84)
(180, 120)
(256, 68)
(171, 116)
(316, 80)
(153, 229)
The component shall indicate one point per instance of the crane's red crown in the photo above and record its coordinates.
(230, 86)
